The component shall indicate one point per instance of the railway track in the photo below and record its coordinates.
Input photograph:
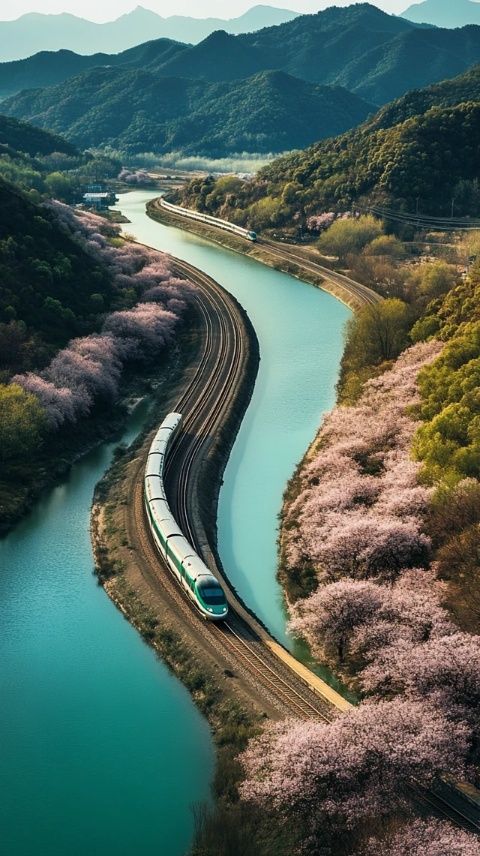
(424, 221)
(350, 287)
(453, 809)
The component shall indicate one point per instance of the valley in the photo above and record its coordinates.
(258, 230)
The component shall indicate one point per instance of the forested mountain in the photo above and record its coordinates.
(50, 290)
(444, 13)
(36, 32)
(448, 93)
(215, 98)
(20, 137)
(44, 165)
(411, 152)
(376, 55)
(48, 68)
(137, 111)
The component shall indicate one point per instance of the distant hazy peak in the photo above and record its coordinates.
(444, 13)
(35, 32)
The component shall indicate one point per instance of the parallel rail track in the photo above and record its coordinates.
(350, 287)
(425, 221)
(205, 403)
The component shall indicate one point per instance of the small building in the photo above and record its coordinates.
(99, 201)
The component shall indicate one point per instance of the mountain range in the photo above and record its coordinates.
(375, 55)
(229, 93)
(37, 32)
(444, 13)
(19, 138)
(48, 68)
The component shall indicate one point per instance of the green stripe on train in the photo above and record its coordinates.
(164, 544)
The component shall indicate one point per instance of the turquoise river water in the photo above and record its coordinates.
(103, 751)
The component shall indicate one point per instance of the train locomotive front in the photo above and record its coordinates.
(193, 575)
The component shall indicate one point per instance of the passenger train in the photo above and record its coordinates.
(191, 572)
(213, 221)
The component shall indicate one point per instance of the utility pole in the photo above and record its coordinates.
(418, 203)
(453, 206)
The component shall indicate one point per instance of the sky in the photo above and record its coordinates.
(107, 10)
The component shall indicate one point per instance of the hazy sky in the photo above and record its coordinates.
(107, 10)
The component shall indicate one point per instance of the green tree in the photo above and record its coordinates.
(432, 279)
(448, 441)
(374, 336)
(384, 245)
(346, 237)
(59, 185)
(22, 421)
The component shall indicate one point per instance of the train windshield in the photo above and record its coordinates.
(212, 593)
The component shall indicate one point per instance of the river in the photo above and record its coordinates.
(103, 751)
(300, 331)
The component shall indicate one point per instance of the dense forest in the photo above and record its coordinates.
(447, 93)
(136, 111)
(44, 164)
(422, 162)
(78, 305)
(50, 290)
(18, 136)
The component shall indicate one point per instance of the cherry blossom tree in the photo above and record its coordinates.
(354, 620)
(90, 368)
(320, 222)
(444, 670)
(352, 769)
(427, 838)
(360, 510)
(137, 177)
(144, 329)
(59, 403)
(134, 267)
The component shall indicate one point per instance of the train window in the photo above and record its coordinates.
(211, 593)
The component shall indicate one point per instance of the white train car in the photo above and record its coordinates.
(189, 569)
(206, 218)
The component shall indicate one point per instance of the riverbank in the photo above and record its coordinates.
(298, 261)
(54, 460)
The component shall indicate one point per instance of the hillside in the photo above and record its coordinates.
(448, 93)
(138, 111)
(410, 153)
(48, 68)
(376, 55)
(444, 13)
(45, 165)
(27, 139)
(37, 32)
(50, 290)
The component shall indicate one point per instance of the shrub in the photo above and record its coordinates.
(22, 422)
(349, 236)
